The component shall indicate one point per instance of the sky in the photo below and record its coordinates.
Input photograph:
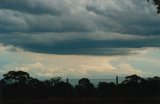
(79, 38)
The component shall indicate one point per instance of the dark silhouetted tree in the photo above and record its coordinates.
(133, 79)
(132, 85)
(53, 81)
(19, 84)
(84, 87)
(13, 77)
(106, 89)
(63, 89)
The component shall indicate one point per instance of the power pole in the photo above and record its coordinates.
(116, 80)
(67, 80)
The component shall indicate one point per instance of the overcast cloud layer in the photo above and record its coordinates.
(89, 27)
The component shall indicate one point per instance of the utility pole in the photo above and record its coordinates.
(67, 80)
(116, 80)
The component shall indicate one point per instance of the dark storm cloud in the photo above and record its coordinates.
(60, 24)
(89, 27)
(79, 46)
(131, 17)
(88, 47)
(13, 21)
(29, 6)
(126, 17)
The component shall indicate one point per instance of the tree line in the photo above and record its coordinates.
(19, 84)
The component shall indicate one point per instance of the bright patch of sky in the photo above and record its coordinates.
(77, 66)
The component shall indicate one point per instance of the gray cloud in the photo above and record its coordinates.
(85, 44)
(129, 17)
(29, 6)
(97, 27)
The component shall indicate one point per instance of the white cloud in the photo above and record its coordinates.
(127, 69)
(74, 66)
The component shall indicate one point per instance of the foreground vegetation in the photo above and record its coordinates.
(18, 85)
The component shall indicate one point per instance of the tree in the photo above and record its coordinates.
(133, 79)
(84, 82)
(34, 82)
(63, 89)
(84, 87)
(153, 85)
(106, 89)
(132, 85)
(53, 81)
(13, 77)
